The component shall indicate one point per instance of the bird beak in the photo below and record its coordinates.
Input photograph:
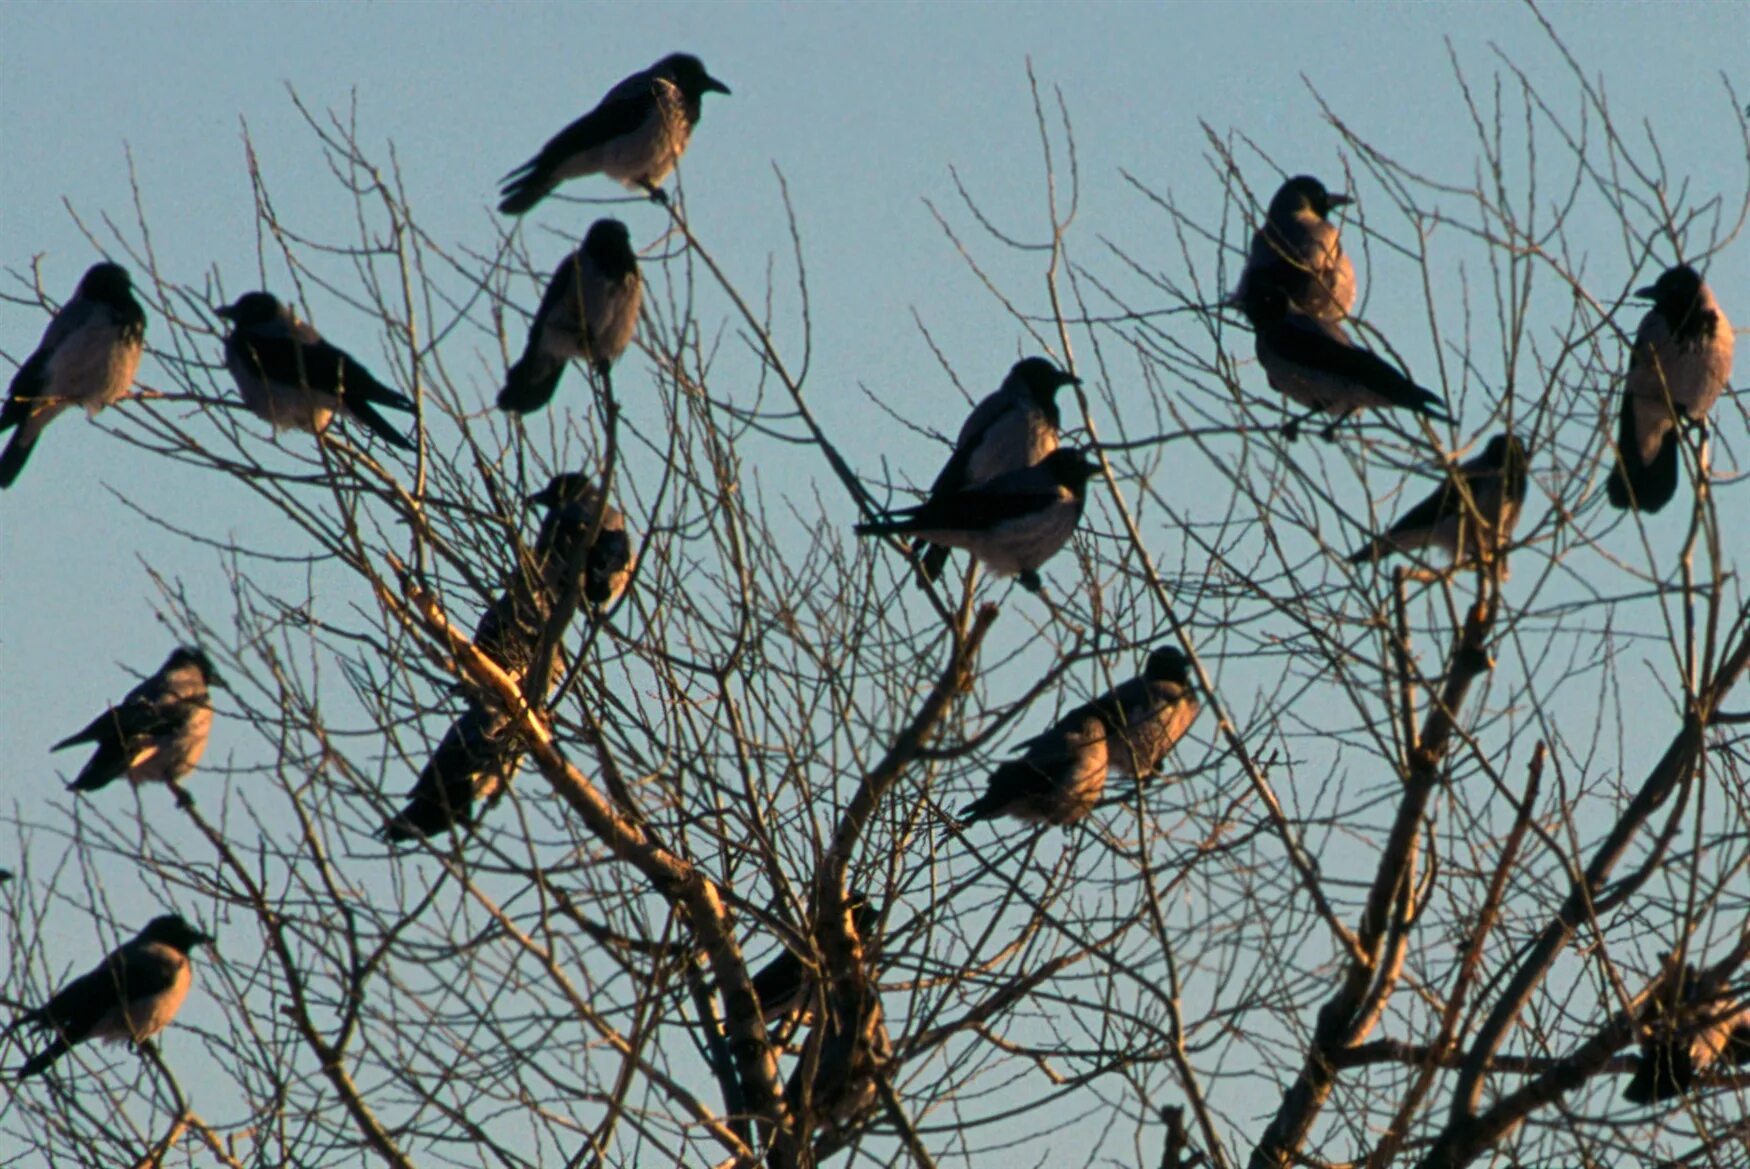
(214, 682)
(201, 939)
(1339, 200)
(540, 498)
(1650, 292)
(229, 312)
(712, 85)
(1070, 379)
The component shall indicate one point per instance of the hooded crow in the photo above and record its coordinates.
(131, 997)
(1144, 717)
(1314, 363)
(87, 357)
(1057, 780)
(1297, 248)
(1318, 366)
(158, 732)
(635, 136)
(288, 375)
(1703, 1032)
(589, 312)
(1009, 430)
(1467, 529)
(1013, 523)
(1681, 362)
(472, 767)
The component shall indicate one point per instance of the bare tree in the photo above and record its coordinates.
(1448, 849)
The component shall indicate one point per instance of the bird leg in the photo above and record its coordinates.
(1030, 581)
(1329, 433)
(1291, 429)
(656, 193)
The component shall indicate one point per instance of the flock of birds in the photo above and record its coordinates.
(1009, 495)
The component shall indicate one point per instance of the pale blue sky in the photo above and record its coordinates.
(864, 108)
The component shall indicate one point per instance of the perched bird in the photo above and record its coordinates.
(1314, 363)
(786, 984)
(131, 997)
(1009, 430)
(1057, 780)
(1467, 530)
(589, 312)
(635, 136)
(290, 376)
(87, 357)
(473, 766)
(574, 503)
(1704, 1031)
(1297, 248)
(1681, 360)
(850, 1046)
(1145, 716)
(158, 732)
(1014, 523)
(510, 629)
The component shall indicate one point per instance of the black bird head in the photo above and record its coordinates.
(173, 930)
(193, 655)
(1167, 664)
(1070, 467)
(1304, 193)
(609, 244)
(106, 283)
(565, 487)
(252, 308)
(688, 72)
(1041, 379)
(1675, 292)
(1508, 452)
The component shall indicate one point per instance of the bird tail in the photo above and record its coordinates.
(930, 564)
(95, 777)
(1662, 1073)
(983, 808)
(1425, 402)
(888, 525)
(39, 1063)
(378, 425)
(13, 458)
(523, 188)
(1648, 486)
(1373, 550)
(530, 383)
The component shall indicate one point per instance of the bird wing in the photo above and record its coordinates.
(29, 381)
(1318, 345)
(622, 111)
(301, 358)
(149, 709)
(132, 972)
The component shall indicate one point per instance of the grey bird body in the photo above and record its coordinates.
(589, 312)
(1316, 365)
(157, 733)
(1299, 249)
(1057, 780)
(634, 136)
(130, 997)
(294, 380)
(1145, 716)
(1703, 1032)
(1681, 362)
(1496, 481)
(1009, 430)
(1013, 523)
(471, 768)
(88, 356)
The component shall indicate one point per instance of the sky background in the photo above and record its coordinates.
(864, 108)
